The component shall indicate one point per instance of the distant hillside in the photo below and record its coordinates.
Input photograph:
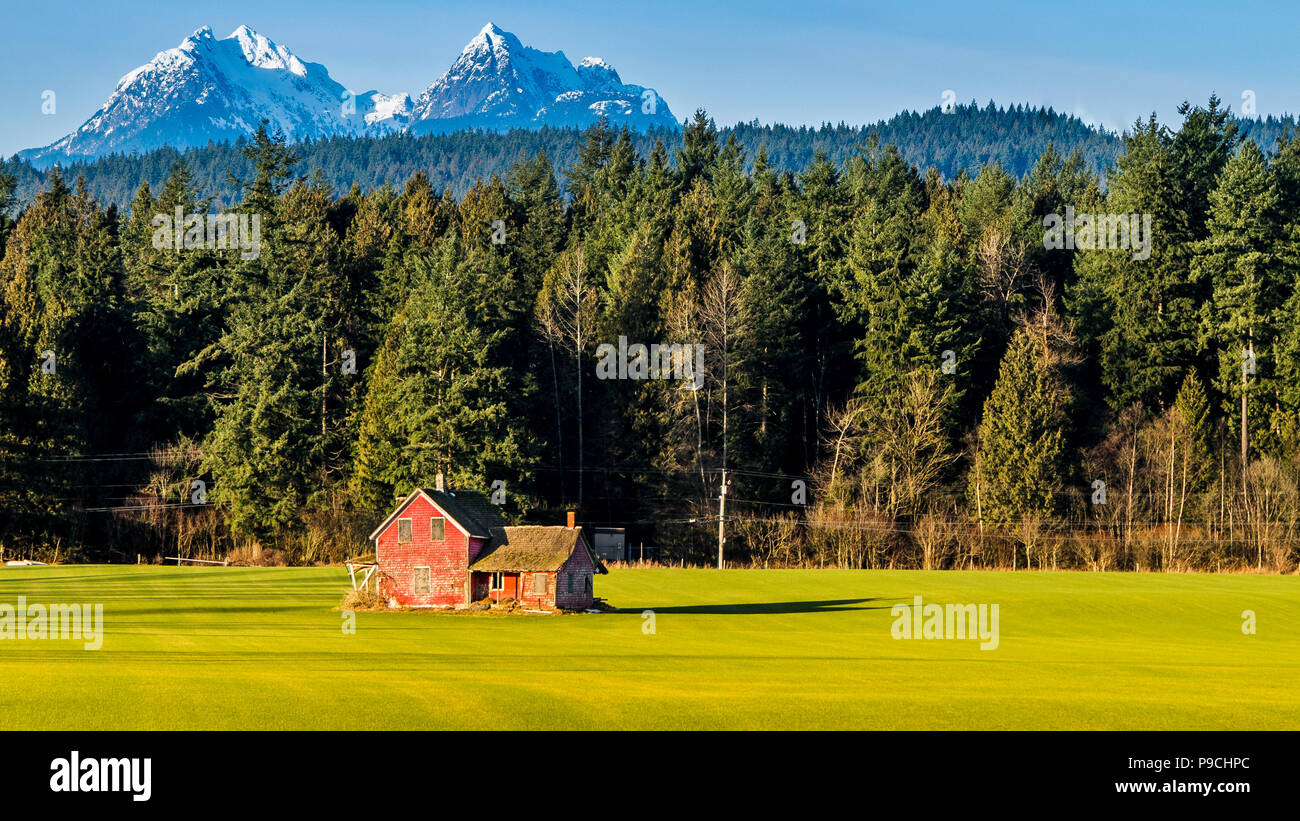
(965, 138)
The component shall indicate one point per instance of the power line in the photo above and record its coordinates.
(143, 508)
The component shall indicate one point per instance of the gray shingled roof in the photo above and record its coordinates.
(472, 509)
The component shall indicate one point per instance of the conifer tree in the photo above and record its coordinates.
(437, 400)
(1021, 468)
(1241, 321)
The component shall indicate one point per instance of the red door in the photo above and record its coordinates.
(511, 586)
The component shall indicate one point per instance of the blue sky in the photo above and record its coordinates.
(795, 62)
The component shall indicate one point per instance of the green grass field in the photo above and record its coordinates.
(249, 648)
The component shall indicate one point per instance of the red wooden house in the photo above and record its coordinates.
(442, 549)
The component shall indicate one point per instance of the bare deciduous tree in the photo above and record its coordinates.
(566, 310)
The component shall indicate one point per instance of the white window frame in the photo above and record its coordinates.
(497, 582)
(410, 529)
(539, 580)
(415, 580)
(432, 536)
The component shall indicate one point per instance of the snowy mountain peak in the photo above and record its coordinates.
(387, 107)
(211, 90)
(491, 38)
(596, 73)
(207, 89)
(498, 83)
(261, 52)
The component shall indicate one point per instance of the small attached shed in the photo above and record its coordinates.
(546, 567)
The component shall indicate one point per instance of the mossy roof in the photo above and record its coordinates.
(533, 549)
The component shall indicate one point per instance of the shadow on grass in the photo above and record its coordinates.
(183, 608)
(758, 608)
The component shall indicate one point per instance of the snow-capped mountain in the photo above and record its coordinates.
(210, 89)
(499, 83)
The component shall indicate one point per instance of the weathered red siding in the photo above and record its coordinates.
(476, 546)
(447, 560)
(541, 601)
(579, 567)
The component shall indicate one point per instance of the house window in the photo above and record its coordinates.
(498, 581)
(539, 584)
(403, 531)
(437, 529)
(568, 578)
(421, 581)
(586, 585)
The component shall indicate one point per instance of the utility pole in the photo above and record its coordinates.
(722, 516)
(1247, 367)
(325, 377)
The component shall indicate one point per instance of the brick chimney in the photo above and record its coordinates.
(439, 483)
(572, 520)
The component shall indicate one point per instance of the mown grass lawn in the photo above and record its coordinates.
(248, 648)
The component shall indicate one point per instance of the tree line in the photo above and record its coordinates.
(966, 137)
(897, 370)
